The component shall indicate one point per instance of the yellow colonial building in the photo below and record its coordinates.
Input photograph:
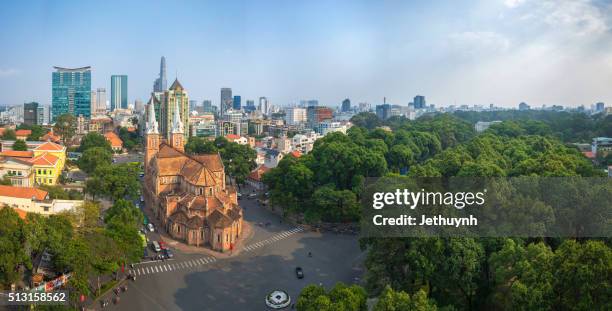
(43, 165)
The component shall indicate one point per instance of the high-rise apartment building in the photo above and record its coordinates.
(346, 105)
(419, 102)
(169, 99)
(192, 105)
(599, 107)
(160, 84)
(100, 100)
(236, 104)
(383, 111)
(317, 114)
(264, 105)
(207, 106)
(226, 100)
(41, 115)
(71, 91)
(119, 92)
(30, 113)
(295, 115)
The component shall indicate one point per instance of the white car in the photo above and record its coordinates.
(150, 226)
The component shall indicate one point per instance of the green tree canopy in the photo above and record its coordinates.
(94, 140)
(20, 145)
(93, 158)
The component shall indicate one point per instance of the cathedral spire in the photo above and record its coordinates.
(177, 124)
(151, 127)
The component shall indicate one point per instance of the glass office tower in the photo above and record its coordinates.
(71, 91)
(119, 92)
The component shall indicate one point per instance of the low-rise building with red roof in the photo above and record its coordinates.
(114, 140)
(255, 177)
(23, 134)
(32, 200)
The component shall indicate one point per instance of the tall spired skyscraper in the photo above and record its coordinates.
(160, 84)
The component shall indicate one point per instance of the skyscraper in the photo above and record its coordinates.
(236, 105)
(346, 105)
(160, 84)
(71, 91)
(101, 100)
(599, 107)
(170, 99)
(263, 105)
(207, 105)
(192, 105)
(119, 92)
(94, 102)
(419, 102)
(226, 100)
(30, 113)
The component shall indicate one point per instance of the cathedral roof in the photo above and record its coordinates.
(195, 222)
(219, 220)
(179, 217)
(212, 161)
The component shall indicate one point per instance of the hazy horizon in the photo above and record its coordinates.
(475, 52)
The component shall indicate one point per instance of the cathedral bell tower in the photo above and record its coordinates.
(151, 135)
(177, 137)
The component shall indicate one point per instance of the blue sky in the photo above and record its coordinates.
(468, 52)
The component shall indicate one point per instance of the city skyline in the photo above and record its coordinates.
(476, 52)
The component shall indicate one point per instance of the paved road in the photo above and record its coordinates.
(267, 262)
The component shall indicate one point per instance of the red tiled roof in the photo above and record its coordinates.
(2, 131)
(23, 132)
(51, 137)
(49, 146)
(45, 159)
(257, 173)
(113, 139)
(589, 154)
(296, 154)
(17, 153)
(22, 192)
(232, 136)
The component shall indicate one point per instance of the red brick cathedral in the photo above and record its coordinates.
(188, 193)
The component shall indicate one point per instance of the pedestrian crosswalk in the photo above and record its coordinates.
(272, 239)
(167, 266)
(172, 265)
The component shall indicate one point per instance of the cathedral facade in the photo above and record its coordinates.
(189, 193)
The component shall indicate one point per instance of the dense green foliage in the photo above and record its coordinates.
(20, 145)
(94, 140)
(93, 158)
(340, 297)
(239, 160)
(76, 241)
(57, 192)
(9, 134)
(65, 126)
(325, 184)
(115, 181)
(566, 126)
(131, 140)
(461, 273)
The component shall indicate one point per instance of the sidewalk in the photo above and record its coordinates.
(247, 233)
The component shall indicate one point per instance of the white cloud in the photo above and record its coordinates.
(578, 17)
(513, 3)
(8, 72)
